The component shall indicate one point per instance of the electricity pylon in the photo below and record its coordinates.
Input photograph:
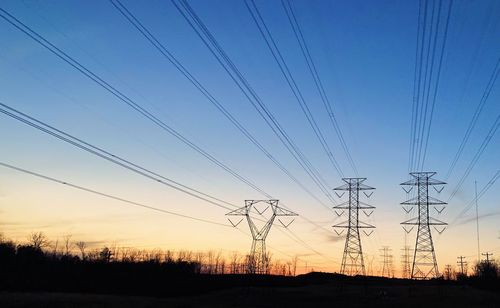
(424, 257)
(386, 262)
(352, 260)
(258, 260)
(405, 261)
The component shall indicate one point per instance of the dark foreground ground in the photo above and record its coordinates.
(323, 291)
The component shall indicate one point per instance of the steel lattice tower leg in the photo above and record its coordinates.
(424, 257)
(258, 257)
(258, 260)
(352, 259)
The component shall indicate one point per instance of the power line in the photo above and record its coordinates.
(89, 190)
(142, 205)
(85, 146)
(125, 163)
(475, 116)
(426, 79)
(42, 41)
(417, 96)
(436, 86)
(211, 43)
(122, 97)
(300, 241)
(421, 24)
(316, 77)
(179, 66)
(282, 252)
(483, 191)
(278, 57)
(237, 76)
(294, 237)
(476, 157)
(15, 114)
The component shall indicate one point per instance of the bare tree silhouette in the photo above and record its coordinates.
(81, 245)
(38, 240)
(67, 244)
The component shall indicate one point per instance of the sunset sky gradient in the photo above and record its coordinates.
(365, 55)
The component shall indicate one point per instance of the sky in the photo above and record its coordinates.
(364, 52)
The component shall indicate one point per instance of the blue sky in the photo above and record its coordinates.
(365, 54)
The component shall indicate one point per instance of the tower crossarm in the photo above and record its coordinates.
(432, 222)
(345, 224)
(347, 205)
(279, 211)
(429, 201)
(421, 177)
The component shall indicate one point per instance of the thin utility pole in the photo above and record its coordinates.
(463, 265)
(477, 225)
(487, 255)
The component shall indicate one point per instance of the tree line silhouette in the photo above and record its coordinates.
(73, 266)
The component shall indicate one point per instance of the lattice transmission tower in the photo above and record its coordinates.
(258, 259)
(387, 269)
(405, 262)
(352, 259)
(424, 256)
